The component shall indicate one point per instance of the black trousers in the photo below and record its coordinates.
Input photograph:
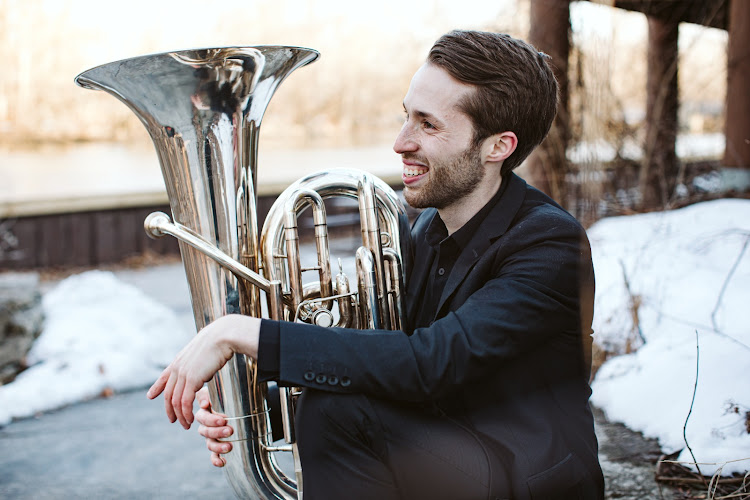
(353, 446)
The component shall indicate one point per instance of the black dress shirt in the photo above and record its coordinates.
(447, 249)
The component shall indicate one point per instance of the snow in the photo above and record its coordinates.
(686, 270)
(100, 334)
(688, 146)
(675, 265)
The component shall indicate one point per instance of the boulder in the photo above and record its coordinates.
(21, 321)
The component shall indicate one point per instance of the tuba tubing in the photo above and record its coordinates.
(202, 109)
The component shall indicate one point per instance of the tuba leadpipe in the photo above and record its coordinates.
(203, 109)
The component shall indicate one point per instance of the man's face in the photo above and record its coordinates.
(441, 164)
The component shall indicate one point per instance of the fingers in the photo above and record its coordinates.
(158, 386)
(210, 419)
(218, 460)
(213, 427)
(218, 447)
(168, 391)
(203, 398)
(182, 401)
(176, 403)
(188, 397)
(215, 432)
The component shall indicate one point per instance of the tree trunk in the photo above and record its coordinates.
(737, 127)
(658, 175)
(550, 33)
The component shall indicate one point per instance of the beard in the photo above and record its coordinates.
(449, 180)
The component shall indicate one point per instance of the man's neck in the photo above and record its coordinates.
(461, 211)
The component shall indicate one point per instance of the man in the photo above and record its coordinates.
(486, 395)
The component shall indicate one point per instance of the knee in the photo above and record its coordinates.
(340, 446)
(328, 417)
(319, 409)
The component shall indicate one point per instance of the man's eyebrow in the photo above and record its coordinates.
(423, 115)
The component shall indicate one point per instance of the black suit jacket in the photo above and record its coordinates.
(508, 350)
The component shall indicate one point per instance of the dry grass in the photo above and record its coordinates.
(139, 261)
(692, 485)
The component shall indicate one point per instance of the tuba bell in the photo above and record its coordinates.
(203, 109)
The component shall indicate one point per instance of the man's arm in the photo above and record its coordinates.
(529, 293)
(522, 295)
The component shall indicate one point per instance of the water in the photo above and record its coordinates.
(59, 179)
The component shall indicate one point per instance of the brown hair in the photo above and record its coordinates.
(515, 88)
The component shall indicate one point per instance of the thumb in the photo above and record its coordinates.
(203, 398)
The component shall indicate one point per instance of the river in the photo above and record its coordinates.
(60, 178)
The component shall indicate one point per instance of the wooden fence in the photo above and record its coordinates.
(99, 236)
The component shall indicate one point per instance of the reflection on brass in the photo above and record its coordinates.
(203, 110)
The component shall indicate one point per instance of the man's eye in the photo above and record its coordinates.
(427, 125)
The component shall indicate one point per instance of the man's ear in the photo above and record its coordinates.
(498, 147)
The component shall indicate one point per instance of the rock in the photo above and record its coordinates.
(628, 462)
(21, 321)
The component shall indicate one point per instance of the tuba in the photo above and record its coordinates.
(203, 109)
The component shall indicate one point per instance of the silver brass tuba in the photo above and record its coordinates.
(203, 110)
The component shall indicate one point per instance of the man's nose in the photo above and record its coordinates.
(405, 141)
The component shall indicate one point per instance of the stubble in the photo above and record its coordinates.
(449, 180)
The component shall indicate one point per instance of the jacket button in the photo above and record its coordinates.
(309, 376)
(345, 381)
(321, 379)
(333, 380)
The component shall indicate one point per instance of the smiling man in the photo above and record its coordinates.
(486, 393)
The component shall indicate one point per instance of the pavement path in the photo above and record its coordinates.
(124, 448)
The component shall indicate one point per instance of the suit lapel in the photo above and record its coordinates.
(491, 228)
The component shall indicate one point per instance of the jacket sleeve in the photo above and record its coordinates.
(522, 293)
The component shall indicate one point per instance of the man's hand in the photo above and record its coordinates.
(201, 359)
(213, 427)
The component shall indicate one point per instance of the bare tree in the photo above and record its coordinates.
(737, 152)
(658, 174)
(549, 32)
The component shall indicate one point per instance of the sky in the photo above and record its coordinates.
(116, 30)
(689, 269)
(165, 27)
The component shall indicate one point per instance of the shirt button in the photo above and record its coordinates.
(345, 381)
(441, 271)
(333, 380)
(321, 379)
(309, 376)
